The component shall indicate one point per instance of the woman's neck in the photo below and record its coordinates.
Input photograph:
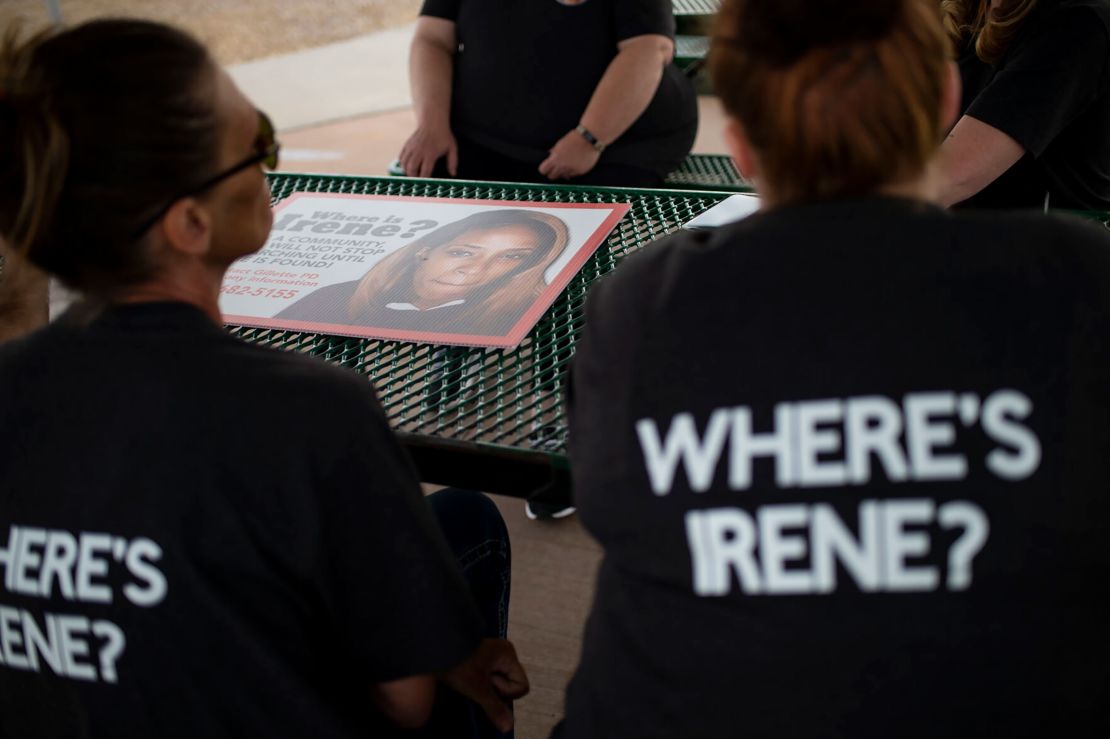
(194, 283)
(924, 187)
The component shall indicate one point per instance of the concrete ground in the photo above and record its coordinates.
(235, 30)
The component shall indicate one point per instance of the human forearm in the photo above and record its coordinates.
(621, 96)
(973, 155)
(627, 87)
(431, 73)
(406, 702)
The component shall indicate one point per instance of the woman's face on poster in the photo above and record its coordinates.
(475, 258)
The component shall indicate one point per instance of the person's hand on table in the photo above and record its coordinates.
(571, 156)
(492, 677)
(425, 147)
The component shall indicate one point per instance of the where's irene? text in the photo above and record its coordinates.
(799, 548)
(77, 568)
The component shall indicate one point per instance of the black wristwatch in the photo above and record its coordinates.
(590, 138)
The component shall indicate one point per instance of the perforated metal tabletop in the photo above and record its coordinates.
(492, 420)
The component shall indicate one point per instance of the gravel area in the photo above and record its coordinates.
(237, 30)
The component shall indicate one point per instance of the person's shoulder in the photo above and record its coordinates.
(445, 9)
(31, 348)
(1033, 226)
(297, 378)
(1071, 19)
(668, 259)
(1083, 9)
(1087, 238)
(1078, 246)
(665, 250)
(15, 351)
(287, 363)
(639, 17)
(644, 273)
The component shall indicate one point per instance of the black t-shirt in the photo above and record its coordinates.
(1051, 94)
(526, 70)
(848, 463)
(205, 538)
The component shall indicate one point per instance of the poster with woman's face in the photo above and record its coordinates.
(435, 270)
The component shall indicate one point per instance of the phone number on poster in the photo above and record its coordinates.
(259, 292)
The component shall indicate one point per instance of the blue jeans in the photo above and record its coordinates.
(479, 541)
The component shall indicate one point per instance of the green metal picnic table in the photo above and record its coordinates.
(486, 419)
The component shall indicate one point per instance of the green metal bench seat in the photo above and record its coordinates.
(708, 172)
(690, 50)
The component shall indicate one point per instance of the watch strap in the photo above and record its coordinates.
(590, 138)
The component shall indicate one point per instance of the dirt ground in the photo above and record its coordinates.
(236, 30)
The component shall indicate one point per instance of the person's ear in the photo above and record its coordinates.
(187, 227)
(741, 149)
(951, 97)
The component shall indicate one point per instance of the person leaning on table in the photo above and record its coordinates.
(541, 90)
(847, 458)
(1035, 114)
(198, 537)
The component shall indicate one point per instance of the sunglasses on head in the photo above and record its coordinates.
(265, 153)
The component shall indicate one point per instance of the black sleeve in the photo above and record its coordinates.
(596, 397)
(1050, 77)
(447, 9)
(640, 17)
(396, 600)
(602, 390)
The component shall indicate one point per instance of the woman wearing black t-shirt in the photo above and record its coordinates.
(547, 90)
(201, 537)
(847, 458)
(1036, 104)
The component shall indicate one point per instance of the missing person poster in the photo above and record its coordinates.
(435, 270)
